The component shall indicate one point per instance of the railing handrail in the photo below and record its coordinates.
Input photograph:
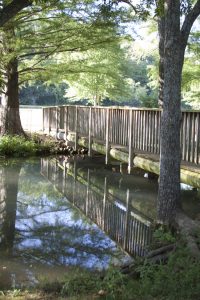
(118, 107)
(131, 127)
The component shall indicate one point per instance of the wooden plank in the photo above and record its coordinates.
(66, 127)
(197, 152)
(49, 119)
(107, 135)
(57, 119)
(192, 137)
(130, 138)
(90, 133)
(43, 119)
(76, 129)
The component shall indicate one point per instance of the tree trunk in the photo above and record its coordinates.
(11, 123)
(161, 32)
(170, 157)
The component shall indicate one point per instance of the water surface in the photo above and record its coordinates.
(56, 214)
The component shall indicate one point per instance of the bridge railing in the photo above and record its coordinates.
(135, 128)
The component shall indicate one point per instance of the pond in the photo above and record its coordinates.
(61, 213)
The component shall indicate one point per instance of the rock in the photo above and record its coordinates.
(102, 293)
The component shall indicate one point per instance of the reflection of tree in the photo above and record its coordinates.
(59, 244)
(50, 230)
(45, 230)
(9, 177)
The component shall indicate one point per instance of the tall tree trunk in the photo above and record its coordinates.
(11, 123)
(170, 157)
(10, 118)
(161, 32)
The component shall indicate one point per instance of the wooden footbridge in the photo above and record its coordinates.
(131, 135)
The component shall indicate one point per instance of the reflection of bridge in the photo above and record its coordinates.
(124, 224)
(127, 134)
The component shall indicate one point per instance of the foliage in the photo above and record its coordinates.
(163, 235)
(38, 93)
(49, 42)
(180, 276)
(17, 146)
(178, 279)
(191, 72)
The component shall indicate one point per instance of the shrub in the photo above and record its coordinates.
(16, 146)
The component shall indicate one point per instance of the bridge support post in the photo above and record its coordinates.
(57, 119)
(49, 120)
(107, 135)
(130, 139)
(76, 129)
(66, 121)
(90, 133)
(43, 116)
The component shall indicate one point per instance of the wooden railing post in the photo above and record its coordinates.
(49, 119)
(107, 135)
(90, 133)
(43, 125)
(76, 128)
(57, 119)
(130, 141)
(66, 128)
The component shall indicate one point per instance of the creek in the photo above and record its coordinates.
(62, 213)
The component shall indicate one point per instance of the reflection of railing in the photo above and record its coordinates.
(137, 129)
(118, 219)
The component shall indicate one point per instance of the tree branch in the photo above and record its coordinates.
(31, 69)
(9, 11)
(189, 21)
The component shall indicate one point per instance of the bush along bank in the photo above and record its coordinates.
(175, 278)
(18, 146)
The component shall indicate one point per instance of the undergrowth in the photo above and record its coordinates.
(179, 279)
(17, 146)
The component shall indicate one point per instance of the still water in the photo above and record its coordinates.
(60, 213)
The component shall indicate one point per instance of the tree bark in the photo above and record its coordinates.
(11, 123)
(161, 32)
(170, 157)
(175, 42)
